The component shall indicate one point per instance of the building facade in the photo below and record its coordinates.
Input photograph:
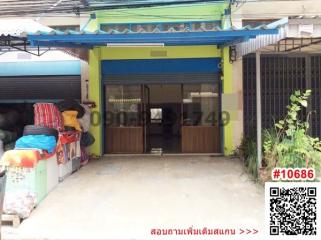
(181, 99)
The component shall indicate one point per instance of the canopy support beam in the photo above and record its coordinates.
(20, 44)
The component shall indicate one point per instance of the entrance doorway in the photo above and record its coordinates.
(164, 118)
(170, 118)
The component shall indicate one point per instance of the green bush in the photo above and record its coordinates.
(247, 150)
(289, 145)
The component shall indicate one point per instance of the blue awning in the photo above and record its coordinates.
(86, 39)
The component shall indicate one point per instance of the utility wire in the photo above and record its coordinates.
(52, 7)
(48, 7)
(12, 7)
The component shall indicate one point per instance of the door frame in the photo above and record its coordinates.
(145, 114)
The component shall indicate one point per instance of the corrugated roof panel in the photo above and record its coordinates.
(170, 37)
(88, 40)
(15, 27)
(153, 31)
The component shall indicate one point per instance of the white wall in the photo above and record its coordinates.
(263, 9)
(19, 56)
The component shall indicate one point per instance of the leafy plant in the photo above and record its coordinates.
(289, 145)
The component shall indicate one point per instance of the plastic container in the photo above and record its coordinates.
(1, 148)
(33, 180)
(52, 173)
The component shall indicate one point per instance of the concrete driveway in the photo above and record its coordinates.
(126, 197)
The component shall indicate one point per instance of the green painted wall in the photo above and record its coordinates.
(227, 90)
(118, 53)
(95, 95)
(195, 12)
(180, 13)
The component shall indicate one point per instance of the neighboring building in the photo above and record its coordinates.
(26, 78)
(288, 64)
(29, 74)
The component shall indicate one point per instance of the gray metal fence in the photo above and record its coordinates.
(281, 75)
(316, 97)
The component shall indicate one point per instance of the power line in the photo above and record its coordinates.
(14, 7)
(10, 8)
(52, 7)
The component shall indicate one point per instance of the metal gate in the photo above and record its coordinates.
(281, 75)
(161, 71)
(316, 96)
(22, 88)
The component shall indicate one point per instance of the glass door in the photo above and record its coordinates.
(201, 130)
(123, 119)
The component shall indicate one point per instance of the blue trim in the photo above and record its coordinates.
(40, 68)
(148, 36)
(160, 66)
(178, 38)
(62, 44)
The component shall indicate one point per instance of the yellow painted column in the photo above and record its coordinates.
(95, 96)
(227, 102)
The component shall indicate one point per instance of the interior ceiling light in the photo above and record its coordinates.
(135, 44)
(203, 94)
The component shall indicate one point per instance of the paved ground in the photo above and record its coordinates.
(125, 197)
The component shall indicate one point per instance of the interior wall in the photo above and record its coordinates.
(165, 93)
(166, 96)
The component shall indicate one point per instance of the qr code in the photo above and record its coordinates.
(291, 210)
